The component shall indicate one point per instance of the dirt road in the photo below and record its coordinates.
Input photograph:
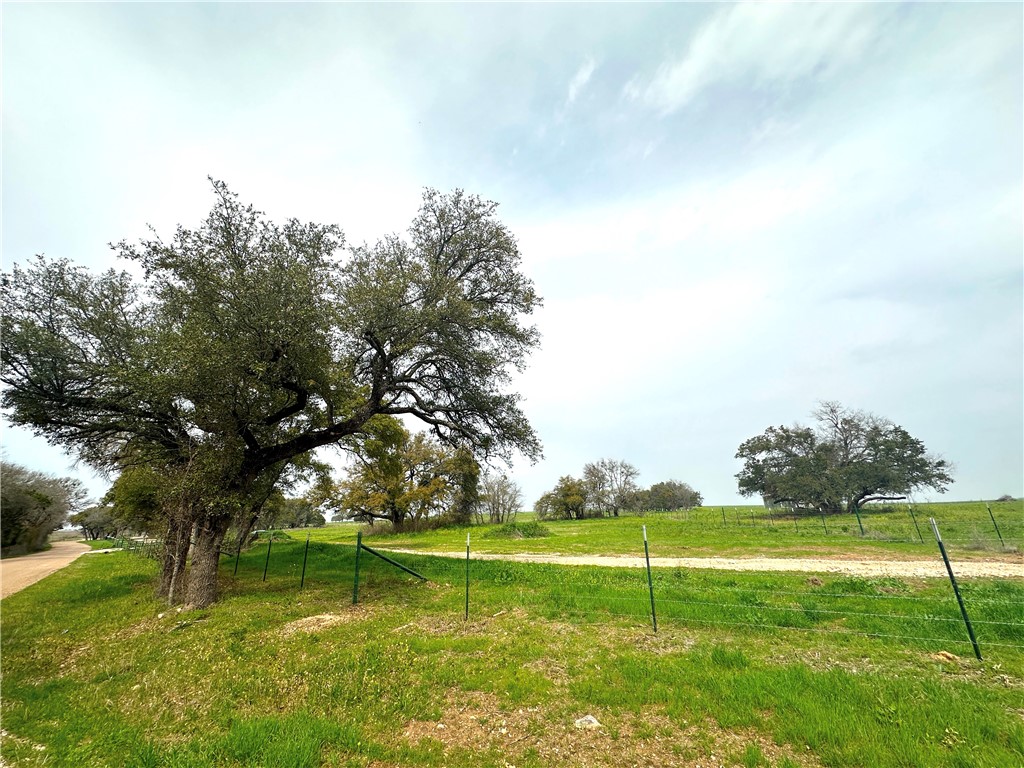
(16, 573)
(899, 568)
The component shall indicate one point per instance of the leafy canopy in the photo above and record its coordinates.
(849, 458)
(248, 343)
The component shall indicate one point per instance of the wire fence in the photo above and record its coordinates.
(924, 614)
(999, 526)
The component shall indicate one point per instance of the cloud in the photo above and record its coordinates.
(765, 45)
(579, 81)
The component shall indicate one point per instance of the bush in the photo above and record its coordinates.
(264, 535)
(530, 530)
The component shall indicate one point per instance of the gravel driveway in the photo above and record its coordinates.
(899, 568)
(16, 573)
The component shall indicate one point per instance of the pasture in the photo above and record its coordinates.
(740, 531)
(746, 669)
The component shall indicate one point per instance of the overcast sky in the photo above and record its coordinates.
(731, 211)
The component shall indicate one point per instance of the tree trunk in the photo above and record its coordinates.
(202, 580)
(177, 541)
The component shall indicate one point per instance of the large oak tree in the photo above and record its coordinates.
(849, 458)
(246, 344)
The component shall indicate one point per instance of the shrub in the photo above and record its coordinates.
(530, 530)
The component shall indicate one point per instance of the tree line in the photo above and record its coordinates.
(34, 505)
(608, 487)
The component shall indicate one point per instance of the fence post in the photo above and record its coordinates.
(270, 542)
(238, 552)
(914, 518)
(771, 517)
(650, 581)
(823, 523)
(956, 589)
(856, 511)
(723, 519)
(305, 555)
(994, 525)
(355, 583)
(752, 517)
(467, 577)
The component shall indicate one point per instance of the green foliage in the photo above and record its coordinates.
(139, 498)
(671, 495)
(850, 459)
(406, 479)
(568, 501)
(248, 344)
(95, 522)
(464, 473)
(527, 530)
(34, 505)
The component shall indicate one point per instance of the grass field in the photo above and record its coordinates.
(746, 669)
(737, 531)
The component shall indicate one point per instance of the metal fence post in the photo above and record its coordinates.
(994, 525)
(355, 583)
(723, 518)
(467, 576)
(916, 526)
(305, 556)
(650, 581)
(823, 523)
(856, 511)
(956, 589)
(270, 542)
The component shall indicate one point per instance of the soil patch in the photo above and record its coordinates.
(476, 721)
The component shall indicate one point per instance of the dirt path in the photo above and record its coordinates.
(899, 568)
(16, 573)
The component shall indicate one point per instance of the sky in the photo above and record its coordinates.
(732, 212)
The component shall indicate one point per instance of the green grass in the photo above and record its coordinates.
(758, 669)
(965, 526)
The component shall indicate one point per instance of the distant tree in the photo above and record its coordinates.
(544, 507)
(848, 459)
(1006, 497)
(567, 501)
(610, 485)
(464, 472)
(500, 498)
(639, 501)
(400, 478)
(673, 494)
(299, 513)
(34, 504)
(95, 522)
(246, 344)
